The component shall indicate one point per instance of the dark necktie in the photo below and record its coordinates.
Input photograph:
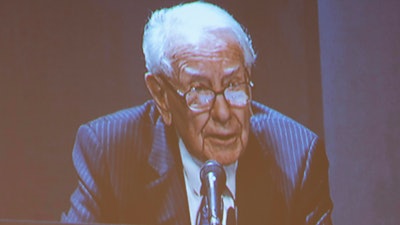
(231, 217)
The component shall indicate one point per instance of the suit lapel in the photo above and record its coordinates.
(167, 190)
(259, 201)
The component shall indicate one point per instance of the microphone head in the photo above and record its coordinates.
(214, 168)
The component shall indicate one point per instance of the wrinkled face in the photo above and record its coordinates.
(220, 133)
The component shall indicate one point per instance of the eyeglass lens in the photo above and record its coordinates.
(202, 99)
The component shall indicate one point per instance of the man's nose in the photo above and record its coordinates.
(220, 111)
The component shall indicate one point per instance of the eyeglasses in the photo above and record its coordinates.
(200, 99)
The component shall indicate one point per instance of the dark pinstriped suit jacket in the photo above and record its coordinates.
(130, 172)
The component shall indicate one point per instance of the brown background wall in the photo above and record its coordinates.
(63, 63)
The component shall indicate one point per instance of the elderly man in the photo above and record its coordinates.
(141, 165)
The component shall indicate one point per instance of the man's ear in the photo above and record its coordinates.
(160, 97)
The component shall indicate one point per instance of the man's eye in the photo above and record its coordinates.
(234, 84)
(199, 88)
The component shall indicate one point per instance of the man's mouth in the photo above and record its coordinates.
(223, 136)
(222, 139)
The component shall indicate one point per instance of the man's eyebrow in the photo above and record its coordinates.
(191, 70)
(232, 69)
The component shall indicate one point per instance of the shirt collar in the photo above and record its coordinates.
(192, 166)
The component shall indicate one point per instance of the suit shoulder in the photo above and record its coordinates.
(145, 113)
(280, 135)
(128, 128)
(269, 120)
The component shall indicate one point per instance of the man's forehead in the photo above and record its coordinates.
(194, 61)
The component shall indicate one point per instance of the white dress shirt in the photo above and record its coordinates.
(191, 171)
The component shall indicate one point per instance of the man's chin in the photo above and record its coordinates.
(227, 158)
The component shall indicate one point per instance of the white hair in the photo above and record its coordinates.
(169, 28)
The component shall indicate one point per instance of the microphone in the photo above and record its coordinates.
(213, 180)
